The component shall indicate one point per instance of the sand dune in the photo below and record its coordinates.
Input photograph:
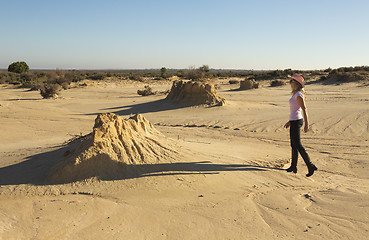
(226, 182)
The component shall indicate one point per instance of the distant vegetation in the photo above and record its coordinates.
(347, 74)
(277, 83)
(44, 80)
(163, 72)
(197, 74)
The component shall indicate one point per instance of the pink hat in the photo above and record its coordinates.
(298, 78)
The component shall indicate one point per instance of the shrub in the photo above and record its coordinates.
(344, 76)
(18, 67)
(50, 90)
(180, 73)
(26, 77)
(276, 83)
(2, 79)
(63, 82)
(135, 77)
(97, 76)
(14, 79)
(288, 71)
(33, 85)
(194, 74)
(76, 76)
(146, 91)
(264, 75)
(204, 68)
(163, 72)
(62, 78)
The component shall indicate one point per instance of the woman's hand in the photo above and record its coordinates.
(287, 125)
(304, 110)
(306, 128)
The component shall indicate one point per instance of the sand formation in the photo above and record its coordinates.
(113, 149)
(192, 93)
(248, 84)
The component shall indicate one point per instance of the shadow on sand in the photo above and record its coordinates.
(147, 107)
(235, 90)
(35, 169)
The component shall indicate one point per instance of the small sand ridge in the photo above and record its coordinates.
(113, 144)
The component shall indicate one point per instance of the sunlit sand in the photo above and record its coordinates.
(203, 172)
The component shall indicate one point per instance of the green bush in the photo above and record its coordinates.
(163, 72)
(18, 67)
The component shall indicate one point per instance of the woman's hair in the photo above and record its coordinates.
(299, 88)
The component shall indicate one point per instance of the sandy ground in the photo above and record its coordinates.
(229, 182)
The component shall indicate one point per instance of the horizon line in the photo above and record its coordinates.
(169, 69)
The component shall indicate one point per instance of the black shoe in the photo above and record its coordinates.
(311, 170)
(292, 169)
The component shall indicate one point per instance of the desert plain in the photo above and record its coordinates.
(226, 181)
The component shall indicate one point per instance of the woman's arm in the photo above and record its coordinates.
(305, 113)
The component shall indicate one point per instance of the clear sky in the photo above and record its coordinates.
(228, 34)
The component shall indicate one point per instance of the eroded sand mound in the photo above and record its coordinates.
(114, 147)
(248, 84)
(194, 93)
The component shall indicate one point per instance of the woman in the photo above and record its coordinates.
(298, 114)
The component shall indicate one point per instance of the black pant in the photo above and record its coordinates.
(296, 145)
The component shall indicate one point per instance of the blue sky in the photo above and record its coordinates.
(140, 34)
